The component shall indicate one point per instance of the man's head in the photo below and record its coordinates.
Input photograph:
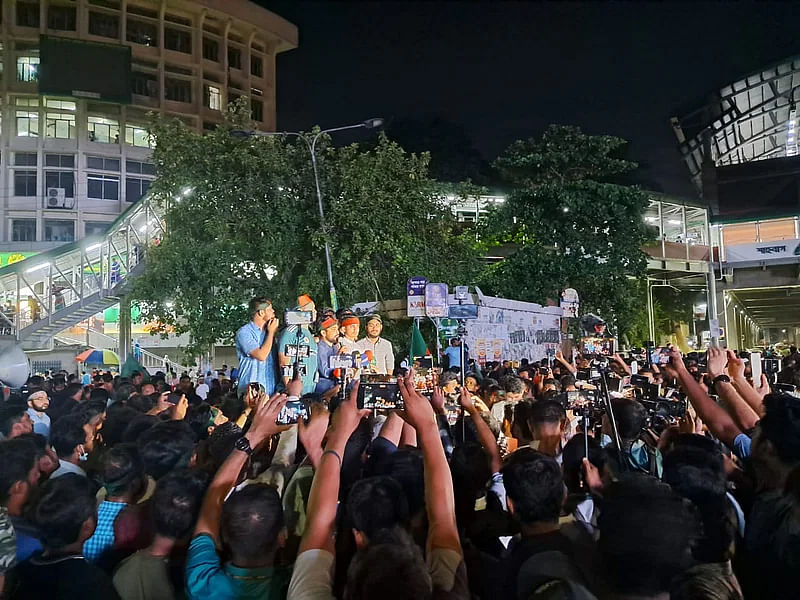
(455, 341)
(448, 381)
(631, 418)
(122, 473)
(74, 391)
(306, 304)
(177, 501)
(14, 421)
(107, 382)
(471, 383)
(640, 558)
(70, 439)
(146, 389)
(534, 487)
(547, 419)
(185, 383)
(261, 310)
(66, 513)
(329, 329)
(124, 391)
(373, 504)
(568, 383)
(776, 442)
(165, 447)
(137, 377)
(19, 472)
(374, 326)
(514, 388)
(252, 525)
(350, 327)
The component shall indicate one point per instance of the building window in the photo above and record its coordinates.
(102, 187)
(137, 136)
(95, 227)
(144, 84)
(144, 168)
(104, 164)
(59, 231)
(59, 125)
(210, 49)
(178, 90)
(141, 32)
(234, 58)
(25, 183)
(136, 188)
(23, 230)
(28, 14)
(27, 123)
(104, 25)
(257, 109)
(28, 68)
(61, 18)
(25, 159)
(178, 40)
(104, 130)
(60, 179)
(134, 9)
(256, 66)
(112, 4)
(64, 161)
(213, 97)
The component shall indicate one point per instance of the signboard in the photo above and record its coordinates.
(436, 300)
(415, 296)
(9, 258)
(570, 303)
(763, 252)
(716, 331)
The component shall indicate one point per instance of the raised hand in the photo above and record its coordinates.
(437, 400)
(717, 359)
(266, 412)
(347, 416)
(418, 411)
(735, 365)
(312, 433)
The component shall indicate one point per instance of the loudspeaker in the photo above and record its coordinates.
(15, 368)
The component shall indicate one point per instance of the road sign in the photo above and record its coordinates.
(436, 300)
(415, 296)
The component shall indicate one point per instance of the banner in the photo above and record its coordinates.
(436, 300)
(763, 252)
(415, 296)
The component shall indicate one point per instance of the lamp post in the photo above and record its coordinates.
(311, 144)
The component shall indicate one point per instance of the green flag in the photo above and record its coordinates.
(418, 346)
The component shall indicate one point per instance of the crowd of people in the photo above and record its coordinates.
(529, 481)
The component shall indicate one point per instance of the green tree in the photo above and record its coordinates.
(571, 224)
(241, 219)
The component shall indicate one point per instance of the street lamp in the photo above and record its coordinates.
(311, 144)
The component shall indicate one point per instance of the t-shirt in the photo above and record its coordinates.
(28, 542)
(296, 335)
(143, 576)
(86, 379)
(521, 551)
(207, 578)
(41, 424)
(202, 390)
(741, 446)
(65, 578)
(251, 337)
(102, 539)
(453, 353)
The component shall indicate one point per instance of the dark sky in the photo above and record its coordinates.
(505, 71)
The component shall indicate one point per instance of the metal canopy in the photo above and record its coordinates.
(745, 121)
(770, 307)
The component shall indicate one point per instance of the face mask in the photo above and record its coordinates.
(83, 456)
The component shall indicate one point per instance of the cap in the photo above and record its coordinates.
(375, 317)
(303, 300)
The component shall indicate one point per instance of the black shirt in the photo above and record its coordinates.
(65, 578)
(521, 550)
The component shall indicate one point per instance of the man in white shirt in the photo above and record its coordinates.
(202, 388)
(382, 351)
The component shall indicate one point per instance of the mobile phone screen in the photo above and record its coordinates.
(755, 367)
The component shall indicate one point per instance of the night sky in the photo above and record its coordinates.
(504, 71)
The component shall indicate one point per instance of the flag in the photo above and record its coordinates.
(418, 346)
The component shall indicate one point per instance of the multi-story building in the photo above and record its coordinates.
(70, 164)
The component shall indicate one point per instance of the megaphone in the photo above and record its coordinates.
(15, 368)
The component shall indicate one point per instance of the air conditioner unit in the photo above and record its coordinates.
(56, 198)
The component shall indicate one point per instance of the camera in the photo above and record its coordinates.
(292, 412)
(772, 366)
(379, 392)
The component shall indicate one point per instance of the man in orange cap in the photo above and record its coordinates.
(328, 347)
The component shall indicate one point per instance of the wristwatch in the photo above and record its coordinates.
(721, 379)
(243, 445)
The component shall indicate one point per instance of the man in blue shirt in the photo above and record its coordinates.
(453, 353)
(328, 347)
(38, 403)
(299, 338)
(254, 347)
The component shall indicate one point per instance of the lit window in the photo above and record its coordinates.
(60, 126)
(137, 136)
(28, 68)
(27, 123)
(213, 97)
(104, 130)
(59, 231)
(59, 104)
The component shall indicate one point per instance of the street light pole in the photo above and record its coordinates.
(312, 149)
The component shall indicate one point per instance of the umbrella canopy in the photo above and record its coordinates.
(98, 357)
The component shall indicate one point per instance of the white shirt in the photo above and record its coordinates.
(202, 390)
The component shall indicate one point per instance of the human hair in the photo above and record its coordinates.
(73, 388)
(631, 417)
(89, 410)
(177, 501)
(567, 380)
(406, 467)
(446, 377)
(781, 426)
(251, 520)
(166, 446)
(257, 304)
(197, 417)
(391, 567)
(232, 407)
(547, 411)
(66, 434)
(122, 470)
(17, 458)
(376, 503)
(10, 415)
(535, 485)
(572, 455)
(646, 534)
(119, 417)
(140, 403)
(64, 505)
(124, 391)
(221, 443)
(513, 385)
(137, 426)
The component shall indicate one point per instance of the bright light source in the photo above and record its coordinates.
(783, 331)
(187, 190)
(565, 209)
(168, 304)
(674, 222)
(38, 267)
(651, 219)
(93, 247)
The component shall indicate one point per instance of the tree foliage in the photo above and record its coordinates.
(242, 219)
(573, 226)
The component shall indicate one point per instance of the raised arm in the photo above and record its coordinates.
(485, 434)
(439, 496)
(262, 352)
(719, 422)
(748, 393)
(567, 365)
